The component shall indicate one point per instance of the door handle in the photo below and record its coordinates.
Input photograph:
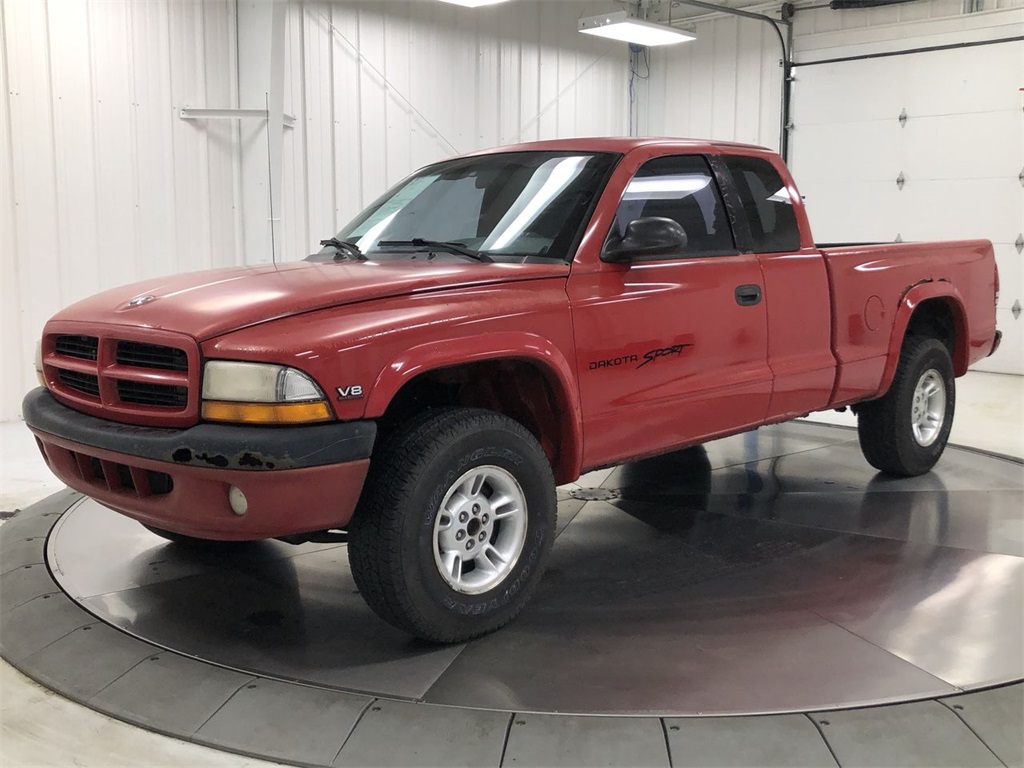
(748, 295)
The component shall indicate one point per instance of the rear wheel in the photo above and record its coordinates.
(905, 432)
(455, 524)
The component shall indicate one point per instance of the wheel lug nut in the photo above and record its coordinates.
(476, 509)
(469, 544)
(463, 517)
(482, 536)
(460, 535)
(485, 519)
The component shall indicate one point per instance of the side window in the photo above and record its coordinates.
(681, 188)
(766, 204)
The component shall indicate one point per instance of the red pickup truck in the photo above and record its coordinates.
(497, 324)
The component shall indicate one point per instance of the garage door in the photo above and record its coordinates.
(959, 153)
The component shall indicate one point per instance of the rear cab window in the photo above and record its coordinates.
(766, 203)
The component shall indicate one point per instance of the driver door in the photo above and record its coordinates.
(672, 349)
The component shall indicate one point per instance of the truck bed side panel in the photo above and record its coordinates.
(869, 284)
(799, 332)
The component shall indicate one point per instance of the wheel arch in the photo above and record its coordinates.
(933, 309)
(521, 375)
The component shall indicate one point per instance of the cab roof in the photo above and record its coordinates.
(619, 144)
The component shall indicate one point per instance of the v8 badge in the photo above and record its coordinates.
(352, 392)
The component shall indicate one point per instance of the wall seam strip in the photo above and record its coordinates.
(15, 265)
(133, 128)
(53, 137)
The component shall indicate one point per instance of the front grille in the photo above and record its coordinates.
(141, 355)
(134, 376)
(143, 393)
(85, 383)
(82, 347)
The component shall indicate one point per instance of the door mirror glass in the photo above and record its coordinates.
(649, 236)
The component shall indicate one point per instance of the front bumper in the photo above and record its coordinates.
(296, 479)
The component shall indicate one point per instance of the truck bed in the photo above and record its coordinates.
(870, 287)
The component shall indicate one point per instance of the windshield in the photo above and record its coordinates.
(509, 207)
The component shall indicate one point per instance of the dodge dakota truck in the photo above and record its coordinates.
(494, 325)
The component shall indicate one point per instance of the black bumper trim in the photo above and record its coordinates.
(222, 446)
(996, 342)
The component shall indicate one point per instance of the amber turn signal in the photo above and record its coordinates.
(267, 413)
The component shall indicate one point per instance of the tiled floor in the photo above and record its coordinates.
(41, 728)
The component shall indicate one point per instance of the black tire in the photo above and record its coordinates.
(393, 545)
(886, 425)
(191, 542)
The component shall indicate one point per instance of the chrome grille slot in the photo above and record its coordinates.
(144, 393)
(142, 355)
(81, 347)
(85, 383)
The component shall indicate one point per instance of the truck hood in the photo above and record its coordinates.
(211, 303)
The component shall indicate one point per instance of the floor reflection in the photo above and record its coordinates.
(762, 572)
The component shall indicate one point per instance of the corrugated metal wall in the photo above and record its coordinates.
(379, 89)
(101, 183)
(726, 84)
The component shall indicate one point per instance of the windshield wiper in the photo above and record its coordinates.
(460, 248)
(344, 249)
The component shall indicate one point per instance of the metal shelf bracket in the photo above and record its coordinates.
(194, 113)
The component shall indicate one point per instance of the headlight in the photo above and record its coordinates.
(260, 393)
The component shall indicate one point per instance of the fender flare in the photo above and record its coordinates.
(493, 346)
(912, 299)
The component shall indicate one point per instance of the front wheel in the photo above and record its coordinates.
(455, 524)
(905, 432)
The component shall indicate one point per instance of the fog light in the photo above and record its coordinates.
(239, 504)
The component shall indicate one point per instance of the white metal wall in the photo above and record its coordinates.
(101, 183)
(726, 84)
(379, 89)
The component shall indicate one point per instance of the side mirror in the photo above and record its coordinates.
(649, 236)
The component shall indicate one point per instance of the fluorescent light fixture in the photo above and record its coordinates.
(621, 26)
(473, 3)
